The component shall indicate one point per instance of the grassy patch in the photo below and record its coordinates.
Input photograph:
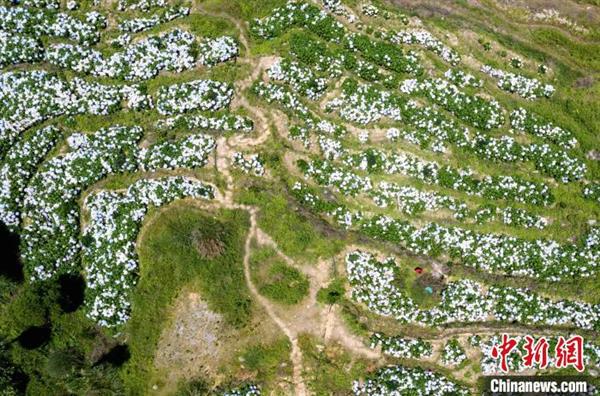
(291, 230)
(169, 259)
(268, 362)
(329, 370)
(276, 280)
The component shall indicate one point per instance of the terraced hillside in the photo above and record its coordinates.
(245, 197)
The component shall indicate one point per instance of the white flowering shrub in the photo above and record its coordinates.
(411, 200)
(403, 348)
(524, 121)
(370, 10)
(556, 163)
(384, 54)
(509, 216)
(135, 25)
(471, 109)
(298, 14)
(140, 5)
(45, 22)
(331, 148)
(49, 4)
(282, 96)
(428, 41)
(337, 8)
(50, 243)
(189, 152)
(171, 51)
(19, 165)
(249, 164)
(109, 255)
(301, 78)
(246, 390)
(462, 79)
(453, 353)
(528, 88)
(398, 380)
(205, 95)
(224, 122)
(327, 174)
(592, 191)
(136, 97)
(220, 49)
(516, 62)
(96, 19)
(17, 48)
(365, 104)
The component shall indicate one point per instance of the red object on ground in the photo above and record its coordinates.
(418, 270)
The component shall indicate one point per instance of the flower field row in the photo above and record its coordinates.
(49, 4)
(429, 41)
(462, 79)
(172, 51)
(453, 353)
(50, 238)
(140, 5)
(189, 152)
(404, 348)
(217, 50)
(37, 23)
(338, 8)
(509, 188)
(19, 165)
(300, 14)
(398, 380)
(471, 109)
(365, 104)
(135, 25)
(300, 78)
(528, 88)
(249, 164)
(204, 95)
(30, 97)
(411, 201)
(384, 54)
(225, 122)
(282, 96)
(109, 255)
(247, 390)
(16, 48)
(375, 284)
(523, 121)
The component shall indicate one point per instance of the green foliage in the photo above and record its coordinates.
(198, 387)
(332, 293)
(61, 363)
(329, 371)
(265, 360)
(277, 280)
